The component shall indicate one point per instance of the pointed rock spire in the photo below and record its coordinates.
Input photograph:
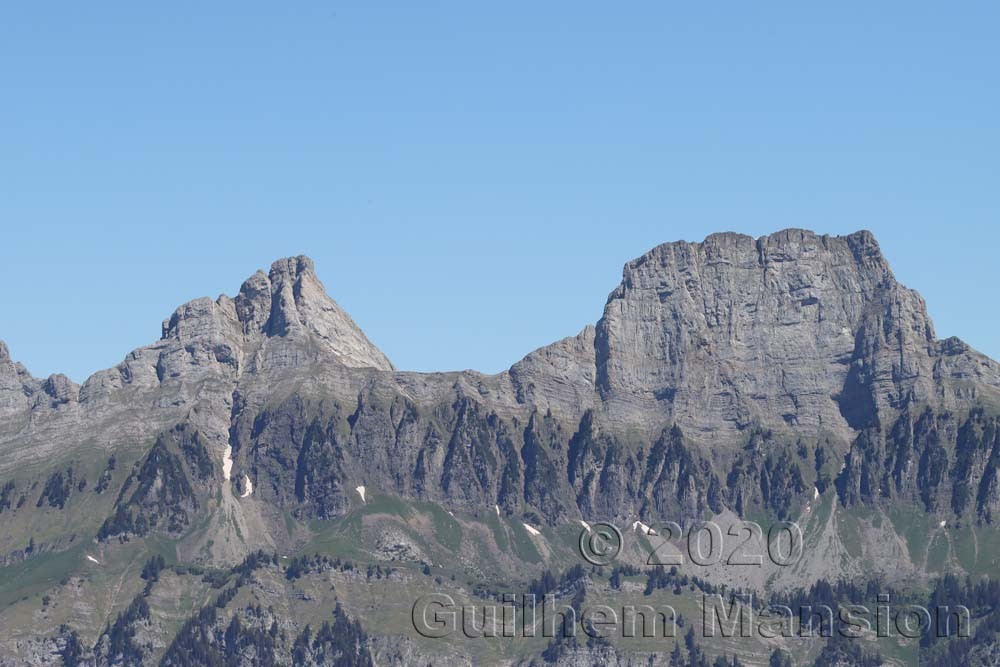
(286, 306)
(297, 305)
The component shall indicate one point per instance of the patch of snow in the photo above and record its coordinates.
(361, 492)
(247, 486)
(815, 493)
(585, 525)
(942, 524)
(92, 559)
(533, 531)
(844, 331)
(808, 509)
(451, 513)
(227, 462)
(639, 525)
(497, 508)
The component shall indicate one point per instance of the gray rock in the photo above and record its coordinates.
(793, 331)
(12, 393)
(711, 363)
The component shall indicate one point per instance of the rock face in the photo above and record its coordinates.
(13, 378)
(735, 377)
(273, 319)
(291, 302)
(796, 334)
(10, 386)
(792, 330)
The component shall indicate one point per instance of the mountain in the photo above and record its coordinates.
(262, 486)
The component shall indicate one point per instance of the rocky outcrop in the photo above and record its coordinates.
(13, 392)
(272, 322)
(942, 462)
(793, 331)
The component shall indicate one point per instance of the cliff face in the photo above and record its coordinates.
(804, 336)
(792, 331)
(735, 376)
(12, 395)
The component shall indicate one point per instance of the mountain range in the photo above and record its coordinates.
(263, 486)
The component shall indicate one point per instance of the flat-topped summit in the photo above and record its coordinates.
(792, 329)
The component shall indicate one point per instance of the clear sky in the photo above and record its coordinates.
(471, 177)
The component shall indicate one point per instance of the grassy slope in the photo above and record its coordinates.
(462, 552)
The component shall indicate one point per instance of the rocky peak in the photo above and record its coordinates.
(60, 389)
(287, 305)
(298, 306)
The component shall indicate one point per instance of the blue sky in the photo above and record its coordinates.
(470, 179)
